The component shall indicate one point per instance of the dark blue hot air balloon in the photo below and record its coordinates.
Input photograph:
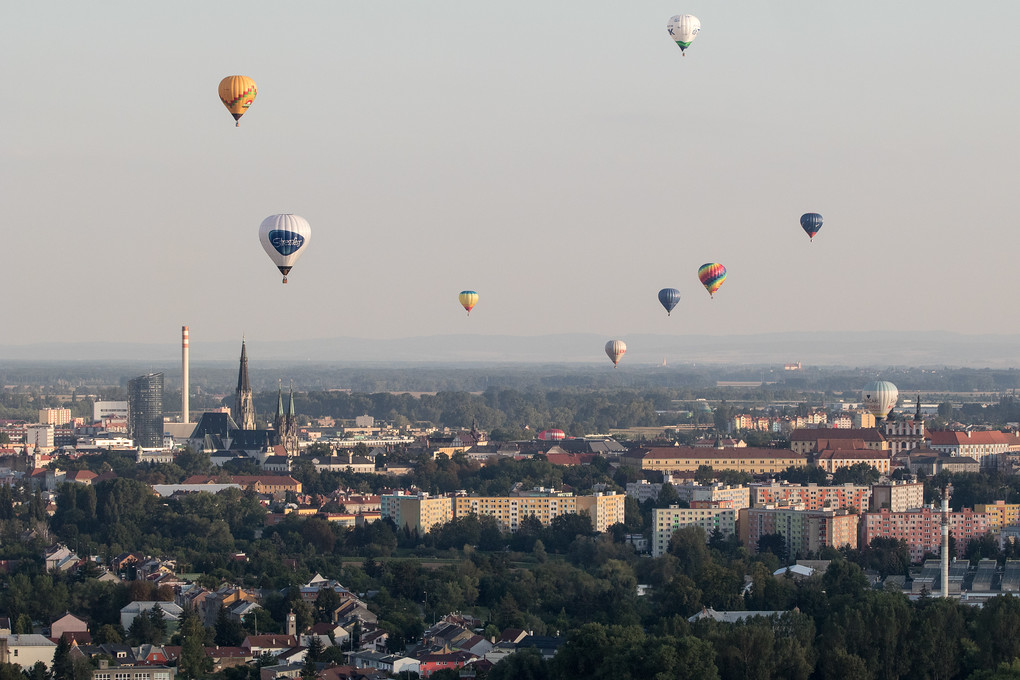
(811, 223)
(669, 297)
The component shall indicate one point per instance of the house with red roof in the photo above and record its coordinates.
(984, 446)
(809, 440)
(831, 460)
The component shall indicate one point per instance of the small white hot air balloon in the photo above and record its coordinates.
(616, 349)
(284, 238)
(880, 397)
(683, 29)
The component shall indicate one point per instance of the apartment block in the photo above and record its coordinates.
(922, 529)
(54, 416)
(421, 512)
(897, 496)
(666, 521)
(687, 459)
(805, 531)
(811, 496)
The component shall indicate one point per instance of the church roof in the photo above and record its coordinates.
(216, 424)
(250, 440)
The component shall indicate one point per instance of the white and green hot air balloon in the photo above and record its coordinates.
(683, 29)
(880, 397)
(285, 237)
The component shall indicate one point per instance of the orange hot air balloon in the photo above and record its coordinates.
(237, 93)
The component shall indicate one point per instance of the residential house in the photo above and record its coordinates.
(390, 663)
(148, 672)
(228, 657)
(171, 613)
(68, 623)
(274, 644)
(28, 649)
(60, 558)
(430, 662)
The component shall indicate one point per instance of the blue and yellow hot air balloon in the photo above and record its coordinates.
(668, 298)
(712, 275)
(468, 299)
(811, 223)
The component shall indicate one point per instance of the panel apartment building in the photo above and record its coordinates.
(922, 529)
(806, 531)
(420, 512)
(666, 521)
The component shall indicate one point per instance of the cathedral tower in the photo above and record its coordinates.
(244, 406)
(286, 423)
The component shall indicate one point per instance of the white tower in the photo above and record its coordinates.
(945, 539)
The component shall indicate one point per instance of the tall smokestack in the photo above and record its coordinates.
(945, 540)
(185, 417)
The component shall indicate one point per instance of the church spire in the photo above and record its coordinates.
(242, 373)
(279, 399)
(244, 406)
(917, 413)
(291, 412)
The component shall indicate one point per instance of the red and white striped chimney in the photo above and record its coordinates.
(184, 378)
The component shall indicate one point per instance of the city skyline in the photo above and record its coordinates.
(565, 162)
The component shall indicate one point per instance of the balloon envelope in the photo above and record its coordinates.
(616, 349)
(811, 223)
(284, 238)
(468, 298)
(712, 275)
(880, 397)
(683, 29)
(668, 298)
(551, 435)
(237, 93)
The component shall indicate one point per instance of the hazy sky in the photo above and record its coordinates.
(561, 158)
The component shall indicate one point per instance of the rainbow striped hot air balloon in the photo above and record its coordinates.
(712, 276)
(468, 298)
(237, 93)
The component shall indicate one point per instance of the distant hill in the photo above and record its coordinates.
(821, 349)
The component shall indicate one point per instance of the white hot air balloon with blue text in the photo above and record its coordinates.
(284, 238)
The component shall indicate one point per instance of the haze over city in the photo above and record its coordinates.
(564, 160)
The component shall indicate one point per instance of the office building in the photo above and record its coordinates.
(145, 405)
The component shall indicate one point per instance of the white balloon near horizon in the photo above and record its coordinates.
(880, 397)
(615, 349)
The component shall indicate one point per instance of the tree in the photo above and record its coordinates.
(775, 544)
(37, 672)
(193, 662)
(108, 633)
(316, 649)
(63, 667)
(229, 632)
(704, 475)
(326, 602)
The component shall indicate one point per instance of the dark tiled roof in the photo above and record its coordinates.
(216, 424)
